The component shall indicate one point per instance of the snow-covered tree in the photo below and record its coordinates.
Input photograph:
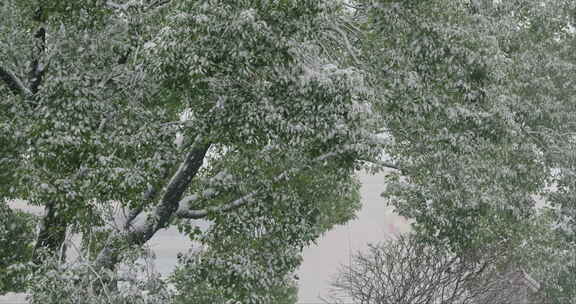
(254, 115)
(243, 113)
(477, 102)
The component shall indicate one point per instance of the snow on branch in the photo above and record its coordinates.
(172, 193)
(14, 83)
(384, 164)
(198, 214)
(134, 212)
(141, 227)
(184, 210)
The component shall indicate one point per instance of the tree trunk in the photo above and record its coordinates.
(51, 235)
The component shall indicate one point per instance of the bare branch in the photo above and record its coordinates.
(408, 271)
(14, 83)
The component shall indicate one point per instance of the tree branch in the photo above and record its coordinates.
(134, 212)
(14, 83)
(202, 213)
(383, 164)
(158, 3)
(184, 211)
(173, 192)
(51, 234)
(140, 232)
(37, 69)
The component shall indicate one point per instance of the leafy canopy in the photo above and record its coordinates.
(235, 112)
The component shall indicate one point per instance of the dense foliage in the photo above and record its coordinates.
(234, 112)
(16, 244)
(476, 99)
(124, 117)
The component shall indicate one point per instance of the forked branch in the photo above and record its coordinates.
(147, 224)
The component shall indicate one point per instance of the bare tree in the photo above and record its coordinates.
(406, 271)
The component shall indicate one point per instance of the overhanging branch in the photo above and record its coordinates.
(202, 213)
(185, 212)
